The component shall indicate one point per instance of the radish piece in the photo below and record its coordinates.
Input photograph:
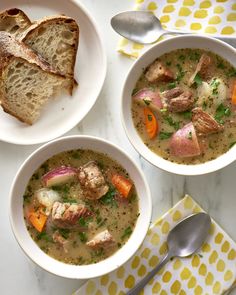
(184, 142)
(59, 176)
(47, 197)
(147, 97)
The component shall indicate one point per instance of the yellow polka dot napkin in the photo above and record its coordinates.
(211, 271)
(213, 17)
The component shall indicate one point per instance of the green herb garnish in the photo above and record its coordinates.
(64, 232)
(26, 198)
(180, 74)
(135, 90)
(147, 101)
(44, 236)
(231, 73)
(194, 56)
(171, 85)
(222, 112)
(198, 80)
(172, 123)
(83, 237)
(76, 155)
(127, 232)
(181, 57)
(168, 63)
(109, 198)
(165, 135)
(187, 115)
(214, 84)
(149, 117)
(190, 136)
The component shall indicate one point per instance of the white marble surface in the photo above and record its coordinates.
(215, 192)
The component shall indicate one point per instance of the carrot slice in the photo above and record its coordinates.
(38, 220)
(122, 184)
(234, 94)
(150, 123)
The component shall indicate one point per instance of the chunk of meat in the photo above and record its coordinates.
(202, 68)
(172, 93)
(102, 240)
(66, 215)
(204, 123)
(58, 238)
(184, 142)
(147, 97)
(158, 72)
(178, 100)
(92, 181)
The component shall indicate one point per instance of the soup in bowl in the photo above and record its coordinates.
(182, 98)
(80, 207)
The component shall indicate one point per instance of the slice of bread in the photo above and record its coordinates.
(56, 39)
(14, 21)
(27, 81)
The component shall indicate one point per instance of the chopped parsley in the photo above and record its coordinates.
(135, 90)
(82, 222)
(165, 135)
(26, 198)
(214, 84)
(190, 136)
(172, 123)
(64, 232)
(171, 85)
(195, 56)
(168, 63)
(222, 112)
(231, 72)
(83, 237)
(181, 57)
(180, 74)
(187, 115)
(44, 236)
(109, 198)
(76, 155)
(147, 101)
(149, 117)
(127, 232)
(198, 80)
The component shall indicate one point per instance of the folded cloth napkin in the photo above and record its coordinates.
(211, 271)
(213, 17)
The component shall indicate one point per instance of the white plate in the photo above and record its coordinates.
(65, 112)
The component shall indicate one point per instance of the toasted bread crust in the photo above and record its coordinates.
(36, 26)
(21, 19)
(10, 49)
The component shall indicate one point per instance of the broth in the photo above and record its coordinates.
(112, 211)
(211, 93)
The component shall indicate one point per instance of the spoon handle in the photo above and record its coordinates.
(137, 289)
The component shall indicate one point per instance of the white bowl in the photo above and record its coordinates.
(16, 207)
(64, 112)
(188, 41)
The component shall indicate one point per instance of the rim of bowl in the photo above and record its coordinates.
(102, 75)
(83, 268)
(134, 138)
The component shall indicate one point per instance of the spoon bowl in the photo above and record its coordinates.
(183, 240)
(139, 26)
(143, 27)
(188, 235)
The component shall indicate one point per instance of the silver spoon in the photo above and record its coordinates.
(183, 240)
(142, 27)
